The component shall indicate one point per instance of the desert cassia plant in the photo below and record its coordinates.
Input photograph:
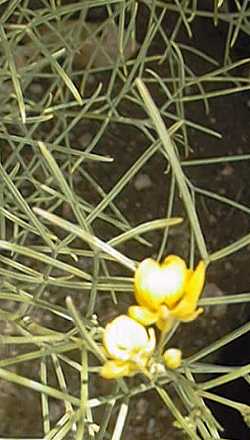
(95, 94)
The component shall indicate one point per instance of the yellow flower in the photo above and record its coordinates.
(172, 358)
(128, 345)
(167, 292)
(157, 283)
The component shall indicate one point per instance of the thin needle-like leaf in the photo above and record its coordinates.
(91, 240)
(14, 75)
(175, 164)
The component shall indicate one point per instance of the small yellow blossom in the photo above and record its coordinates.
(172, 358)
(157, 283)
(167, 292)
(129, 347)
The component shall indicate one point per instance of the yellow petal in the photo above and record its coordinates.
(114, 370)
(156, 284)
(186, 308)
(176, 273)
(148, 291)
(143, 315)
(195, 282)
(172, 357)
(193, 316)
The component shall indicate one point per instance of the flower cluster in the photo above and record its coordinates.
(165, 293)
